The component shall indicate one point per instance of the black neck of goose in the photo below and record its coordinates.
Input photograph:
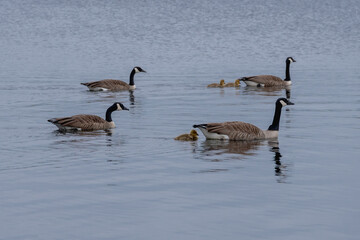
(276, 121)
(131, 81)
(287, 72)
(108, 113)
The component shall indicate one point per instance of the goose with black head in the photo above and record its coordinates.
(238, 131)
(84, 122)
(114, 85)
(270, 80)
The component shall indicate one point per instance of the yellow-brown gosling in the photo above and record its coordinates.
(234, 84)
(238, 131)
(114, 85)
(270, 80)
(217, 85)
(83, 122)
(192, 136)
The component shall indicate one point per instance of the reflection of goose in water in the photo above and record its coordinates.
(288, 92)
(280, 168)
(215, 151)
(81, 140)
(269, 91)
(131, 97)
(106, 132)
(238, 147)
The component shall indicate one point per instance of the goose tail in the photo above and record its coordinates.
(52, 120)
(200, 126)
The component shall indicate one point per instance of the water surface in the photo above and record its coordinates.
(137, 182)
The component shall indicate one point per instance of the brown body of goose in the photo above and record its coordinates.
(114, 85)
(238, 131)
(217, 85)
(84, 122)
(235, 130)
(192, 136)
(234, 84)
(270, 80)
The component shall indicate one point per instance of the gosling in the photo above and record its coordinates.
(234, 84)
(192, 136)
(217, 85)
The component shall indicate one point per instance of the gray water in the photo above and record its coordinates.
(137, 182)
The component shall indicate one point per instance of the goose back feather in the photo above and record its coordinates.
(82, 122)
(236, 130)
(108, 84)
(264, 81)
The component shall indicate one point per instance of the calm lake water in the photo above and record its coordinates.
(137, 182)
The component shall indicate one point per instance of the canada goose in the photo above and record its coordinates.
(244, 131)
(85, 122)
(114, 85)
(234, 84)
(193, 136)
(270, 80)
(217, 85)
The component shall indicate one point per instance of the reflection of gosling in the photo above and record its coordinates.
(193, 136)
(234, 84)
(214, 85)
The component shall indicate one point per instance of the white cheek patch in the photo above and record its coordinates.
(291, 60)
(137, 70)
(118, 107)
(283, 103)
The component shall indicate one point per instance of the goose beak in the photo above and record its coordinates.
(294, 60)
(290, 103)
(125, 108)
(143, 71)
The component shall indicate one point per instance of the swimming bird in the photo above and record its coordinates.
(237, 130)
(270, 80)
(217, 85)
(114, 85)
(85, 122)
(193, 136)
(234, 84)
